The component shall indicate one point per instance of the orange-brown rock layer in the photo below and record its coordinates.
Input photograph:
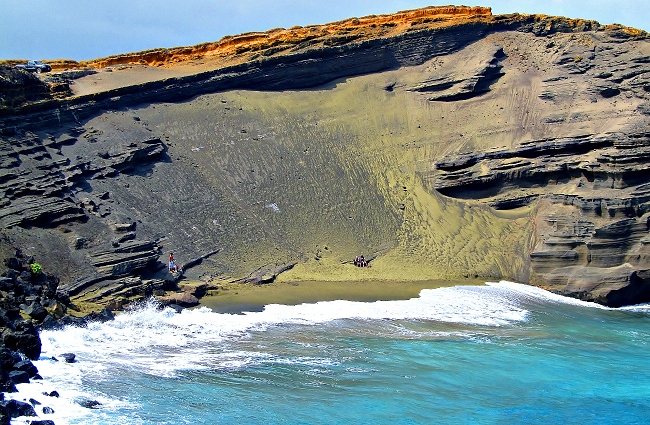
(354, 28)
(240, 47)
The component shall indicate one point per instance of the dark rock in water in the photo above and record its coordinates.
(50, 323)
(19, 377)
(42, 422)
(48, 410)
(103, 316)
(69, 357)
(72, 321)
(6, 384)
(8, 358)
(27, 367)
(15, 408)
(89, 404)
(25, 342)
(52, 394)
(34, 402)
(176, 307)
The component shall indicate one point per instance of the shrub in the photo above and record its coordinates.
(36, 269)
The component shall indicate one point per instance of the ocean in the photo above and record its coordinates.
(502, 353)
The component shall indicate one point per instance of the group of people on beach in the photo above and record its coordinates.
(360, 261)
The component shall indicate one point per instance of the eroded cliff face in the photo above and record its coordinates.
(441, 143)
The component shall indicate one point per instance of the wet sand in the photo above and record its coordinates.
(248, 297)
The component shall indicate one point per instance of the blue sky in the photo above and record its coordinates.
(89, 29)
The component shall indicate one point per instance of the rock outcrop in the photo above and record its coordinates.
(593, 202)
(29, 299)
(312, 144)
(471, 80)
(18, 87)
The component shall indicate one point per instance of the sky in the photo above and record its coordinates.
(91, 29)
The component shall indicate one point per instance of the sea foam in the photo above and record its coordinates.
(162, 342)
(152, 343)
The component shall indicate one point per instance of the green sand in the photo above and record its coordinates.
(312, 178)
(248, 297)
(316, 177)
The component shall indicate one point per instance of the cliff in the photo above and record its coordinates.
(440, 142)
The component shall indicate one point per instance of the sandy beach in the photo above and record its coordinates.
(249, 297)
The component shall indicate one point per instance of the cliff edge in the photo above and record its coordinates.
(440, 142)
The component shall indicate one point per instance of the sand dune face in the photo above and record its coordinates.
(441, 144)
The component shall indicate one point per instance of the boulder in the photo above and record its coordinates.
(103, 316)
(8, 358)
(183, 299)
(68, 357)
(36, 311)
(6, 384)
(50, 323)
(177, 308)
(26, 366)
(15, 408)
(28, 344)
(89, 404)
(19, 377)
(57, 309)
(13, 263)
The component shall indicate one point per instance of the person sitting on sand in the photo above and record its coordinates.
(173, 268)
(360, 261)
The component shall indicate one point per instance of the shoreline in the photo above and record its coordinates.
(253, 298)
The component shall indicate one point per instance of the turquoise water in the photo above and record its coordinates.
(502, 353)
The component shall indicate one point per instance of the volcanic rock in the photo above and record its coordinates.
(183, 299)
(68, 357)
(446, 142)
(43, 421)
(15, 408)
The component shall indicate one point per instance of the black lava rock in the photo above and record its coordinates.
(68, 357)
(15, 408)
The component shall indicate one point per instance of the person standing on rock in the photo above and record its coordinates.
(173, 268)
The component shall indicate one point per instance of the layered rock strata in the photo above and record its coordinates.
(81, 183)
(592, 196)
